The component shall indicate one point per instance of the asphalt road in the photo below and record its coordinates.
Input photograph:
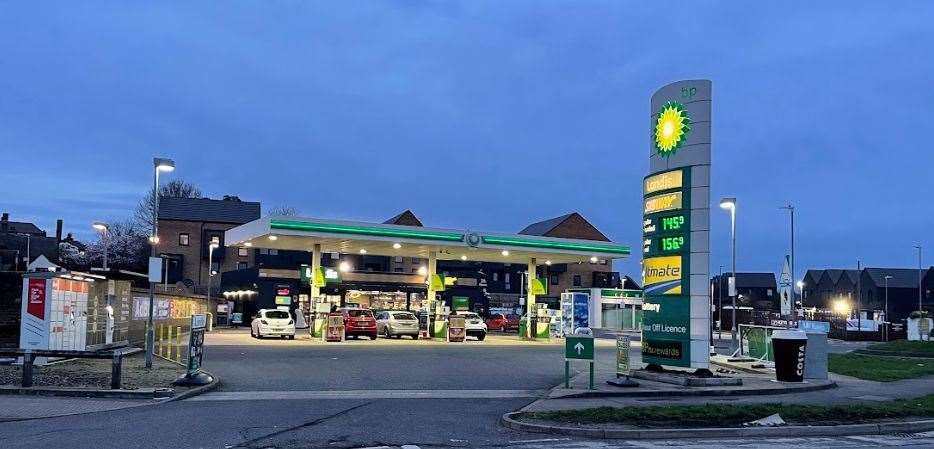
(299, 394)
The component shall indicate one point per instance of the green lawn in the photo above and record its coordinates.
(905, 347)
(879, 368)
(721, 415)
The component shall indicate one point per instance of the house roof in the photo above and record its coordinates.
(406, 218)
(208, 210)
(901, 277)
(853, 275)
(572, 225)
(20, 227)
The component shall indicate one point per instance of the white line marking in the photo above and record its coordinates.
(540, 440)
(367, 394)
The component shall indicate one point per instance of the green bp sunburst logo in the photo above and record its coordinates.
(671, 128)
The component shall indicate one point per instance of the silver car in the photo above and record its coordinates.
(396, 323)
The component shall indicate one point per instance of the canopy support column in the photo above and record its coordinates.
(315, 268)
(531, 318)
(430, 300)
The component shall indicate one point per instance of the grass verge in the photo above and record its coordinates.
(722, 415)
(879, 368)
(905, 347)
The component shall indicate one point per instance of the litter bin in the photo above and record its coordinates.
(788, 349)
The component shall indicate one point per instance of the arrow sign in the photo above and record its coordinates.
(578, 348)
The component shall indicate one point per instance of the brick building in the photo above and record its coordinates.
(187, 226)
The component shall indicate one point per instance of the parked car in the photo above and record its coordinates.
(396, 323)
(503, 322)
(272, 323)
(359, 322)
(475, 325)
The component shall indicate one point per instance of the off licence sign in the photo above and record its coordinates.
(579, 348)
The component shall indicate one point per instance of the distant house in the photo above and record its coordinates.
(865, 290)
(756, 290)
(22, 242)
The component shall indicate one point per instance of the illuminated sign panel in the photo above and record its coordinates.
(663, 202)
(664, 181)
(662, 275)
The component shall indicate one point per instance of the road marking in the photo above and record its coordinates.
(367, 394)
(540, 440)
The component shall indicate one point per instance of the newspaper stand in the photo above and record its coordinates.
(334, 329)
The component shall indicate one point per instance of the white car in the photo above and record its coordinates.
(272, 323)
(475, 325)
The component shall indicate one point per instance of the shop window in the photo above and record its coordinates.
(183, 239)
(398, 259)
(416, 260)
(273, 252)
(577, 280)
(243, 252)
(495, 276)
(554, 279)
(263, 251)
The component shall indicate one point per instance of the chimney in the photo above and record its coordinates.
(5, 223)
(58, 230)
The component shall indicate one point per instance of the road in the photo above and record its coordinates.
(295, 394)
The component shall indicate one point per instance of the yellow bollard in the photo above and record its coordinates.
(161, 340)
(170, 344)
(165, 343)
(178, 344)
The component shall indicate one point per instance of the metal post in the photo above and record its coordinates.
(886, 321)
(27, 368)
(591, 375)
(720, 305)
(919, 279)
(734, 292)
(567, 374)
(530, 300)
(105, 233)
(150, 332)
(859, 300)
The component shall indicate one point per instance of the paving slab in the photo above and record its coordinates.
(16, 407)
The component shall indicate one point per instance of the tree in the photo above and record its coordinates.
(127, 248)
(145, 210)
(287, 211)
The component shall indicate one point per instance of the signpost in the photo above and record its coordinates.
(675, 227)
(193, 374)
(577, 347)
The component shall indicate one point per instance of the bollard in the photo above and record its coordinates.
(178, 344)
(116, 370)
(157, 349)
(27, 368)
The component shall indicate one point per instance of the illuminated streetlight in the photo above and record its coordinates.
(730, 203)
(159, 165)
(214, 245)
(344, 266)
(104, 229)
(396, 245)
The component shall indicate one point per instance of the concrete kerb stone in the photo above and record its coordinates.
(634, 393)
(140, 393)
(509, 420)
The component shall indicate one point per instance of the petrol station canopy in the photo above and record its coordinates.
(353, 237)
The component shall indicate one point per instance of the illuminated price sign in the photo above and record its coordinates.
(664, 225)
(674, 223)
(667, 244)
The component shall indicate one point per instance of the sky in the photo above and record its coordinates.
(485, 115)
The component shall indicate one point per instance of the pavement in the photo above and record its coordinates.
(358, 394)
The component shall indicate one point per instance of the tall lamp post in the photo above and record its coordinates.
(720, 305)
(104, 229)
(886, 321)
(730, 203)
(211, 273)
(159, 165)
(918, 247)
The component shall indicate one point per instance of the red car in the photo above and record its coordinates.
(359, 322)
(502, 322)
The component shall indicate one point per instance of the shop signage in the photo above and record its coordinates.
(538, 287)
(196, 343)
(460, 303)
(675, 227)
(578, 347)
(37, 297)
(335, 327)
(283, 300)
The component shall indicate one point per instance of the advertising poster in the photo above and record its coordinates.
(37, 298)
(581, 311)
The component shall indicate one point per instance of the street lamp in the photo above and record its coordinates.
(159, 165)
(214, 245)
(730, 203)
(104, 229)
(886, 320)
(918, 247)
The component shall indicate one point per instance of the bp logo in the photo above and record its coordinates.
(671, 128)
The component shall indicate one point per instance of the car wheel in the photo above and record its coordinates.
(291, 337)
(252, 334)
(386, 332)
(481, 336)
(373, 337)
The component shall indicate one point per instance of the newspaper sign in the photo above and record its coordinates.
(623, 345)
(196, 343)
(457, 328)
(335, 327)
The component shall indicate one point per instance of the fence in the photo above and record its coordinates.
(171, 341)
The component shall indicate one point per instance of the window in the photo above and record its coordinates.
(243, 252)
(554, 279)
(398, 259)
(495, 276)
(416, 260)
(577, 280)
(242, 265)
(183, 239)
(273, 252)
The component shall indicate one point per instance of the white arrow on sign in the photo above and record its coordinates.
(579, 347)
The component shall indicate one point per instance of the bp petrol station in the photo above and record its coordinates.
(676, 222)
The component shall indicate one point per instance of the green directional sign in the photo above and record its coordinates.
(578, 348)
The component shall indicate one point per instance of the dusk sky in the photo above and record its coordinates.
(481, 115)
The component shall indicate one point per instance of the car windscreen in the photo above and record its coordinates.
(360, 313)
(403, 316)
(469, 315)
(277, 314)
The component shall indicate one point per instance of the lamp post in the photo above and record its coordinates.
(720, 305)
(791, 210)
(104, 229)
(211, 249)
(918, 247)
(159, 165)
(730, 203)
(886, 321)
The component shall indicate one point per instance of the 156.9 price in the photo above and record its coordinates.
(671, 243)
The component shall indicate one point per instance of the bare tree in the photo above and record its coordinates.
(145, 210)
(286, 211)
(127, 247)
